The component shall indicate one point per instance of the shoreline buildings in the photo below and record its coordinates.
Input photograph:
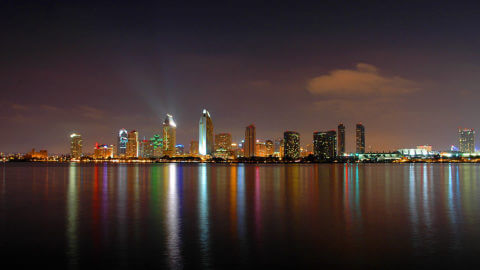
(75, 145)
(205, 134)
(169, 129)
(291, 141)
(325, 145)
(132, 145)
(466, 140)
(122, 142)
(250, 141)
(341, 139)
(360, 139)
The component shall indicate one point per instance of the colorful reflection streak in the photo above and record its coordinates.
(72, 215)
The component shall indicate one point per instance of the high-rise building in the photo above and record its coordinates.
(75, 145)
(122, 142)
(269, 147)
(205, 134)
(157, 143)
(341, 139)
(360, 139)
(169, 135)
(325, 145)
(291, 142)
(194, 148)
(260, 149)
(223, 141)
(466, 140)
(250, 141)
(132, 145)
(146, 149)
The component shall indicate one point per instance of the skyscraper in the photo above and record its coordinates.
(157, 143)
(269, 147)
(132, 145)
(360, 139)
(466, 140)
(341, 139)
(223, 141)
(169, 135)
(205, 134)
(122, 142)
(325, 145)
(75, 145)
(250, 141)
(146, 149)
(291, 141)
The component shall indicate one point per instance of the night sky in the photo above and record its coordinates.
(408, 71)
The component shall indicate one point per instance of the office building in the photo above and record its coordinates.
(325, 145)
(360, 139)
(205, 134)
(260, 149)
(146, 149)
(291, 142)
(75, 145)
(269, 148)
(223, 141)
(250, 141)
(132, 145)
(122, 142)
(169, 128)
(341, 140)
(103, 151)
(466, 140)
(157, 143)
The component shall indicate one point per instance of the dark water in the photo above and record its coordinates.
(221, 216)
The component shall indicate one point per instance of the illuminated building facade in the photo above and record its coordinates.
(157, 143)
(223, 141)
(169, 135)
(103, 151)
(122, 142)
(250, 141)
(75, 145)
(205, 134)
(194, 148)
(269, 148)
(260, 149)
(341, 139)
(466, 140)
(146, 149)
(132, 144)
(360, 139)
(325, 145)
(291, 142)
(42, 154)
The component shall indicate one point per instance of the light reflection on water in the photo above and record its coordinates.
(204, 215)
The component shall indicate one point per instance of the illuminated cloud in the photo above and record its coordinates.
(364, 81)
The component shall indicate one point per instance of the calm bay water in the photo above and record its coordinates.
(219, 216)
